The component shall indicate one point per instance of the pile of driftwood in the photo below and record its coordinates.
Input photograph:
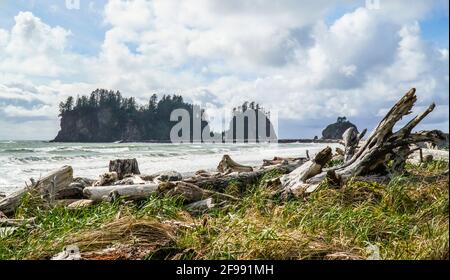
(367, 159)
(124, 180)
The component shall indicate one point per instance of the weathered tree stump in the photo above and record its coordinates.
(124, 167)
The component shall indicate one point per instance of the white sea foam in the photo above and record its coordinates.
(24, 160)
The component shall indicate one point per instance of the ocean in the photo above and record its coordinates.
(22, 160)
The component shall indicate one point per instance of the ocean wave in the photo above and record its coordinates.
(17, 150)
(47, 159)
(27, 159)
(8, 142)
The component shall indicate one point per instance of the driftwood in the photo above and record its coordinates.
(70, 253)
(65, 202)
(340, 152)
(296, 180)
(281, 160)
(190, 192)
(17, 222)
(72, 191)
(167, 176)
(132, 180)
(132, 192)
(48, 187)
(380, 146)
(82, 203)
(219, 182)
(124, 167)
(201, 206)
(351, 139)
(400, 157)
(227, 165)
(383, 142)
(107, 179)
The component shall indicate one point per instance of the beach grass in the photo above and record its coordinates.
(408, 218)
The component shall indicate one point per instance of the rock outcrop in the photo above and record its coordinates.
(96, 126)
(337, 129)
(106, 116)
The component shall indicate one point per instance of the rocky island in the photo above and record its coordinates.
(107, 116)
(337, 129)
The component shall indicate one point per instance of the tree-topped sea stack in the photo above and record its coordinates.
(107, 116)
(337, 129)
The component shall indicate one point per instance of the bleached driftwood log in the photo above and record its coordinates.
(47, 187)
(281, 160)
(351, 139)
(124, 167)
(295, 181)
(190, 192)
(373, 155)
(200, 206)
(227, 165)
(132, 192)
(380, 146)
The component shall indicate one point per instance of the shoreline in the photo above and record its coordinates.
(89, 159)
(280, 141)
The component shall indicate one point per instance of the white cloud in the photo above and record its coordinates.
(4, 36)
(348, 70)
(128, 14)
(34, 48)
(220, 53)
(21, 112)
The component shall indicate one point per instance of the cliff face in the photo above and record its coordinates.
(335, 130)
(101, 126)
(106, 116)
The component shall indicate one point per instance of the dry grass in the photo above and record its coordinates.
(126, 230)
(405, 219)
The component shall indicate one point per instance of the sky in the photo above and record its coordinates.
(308, 62)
